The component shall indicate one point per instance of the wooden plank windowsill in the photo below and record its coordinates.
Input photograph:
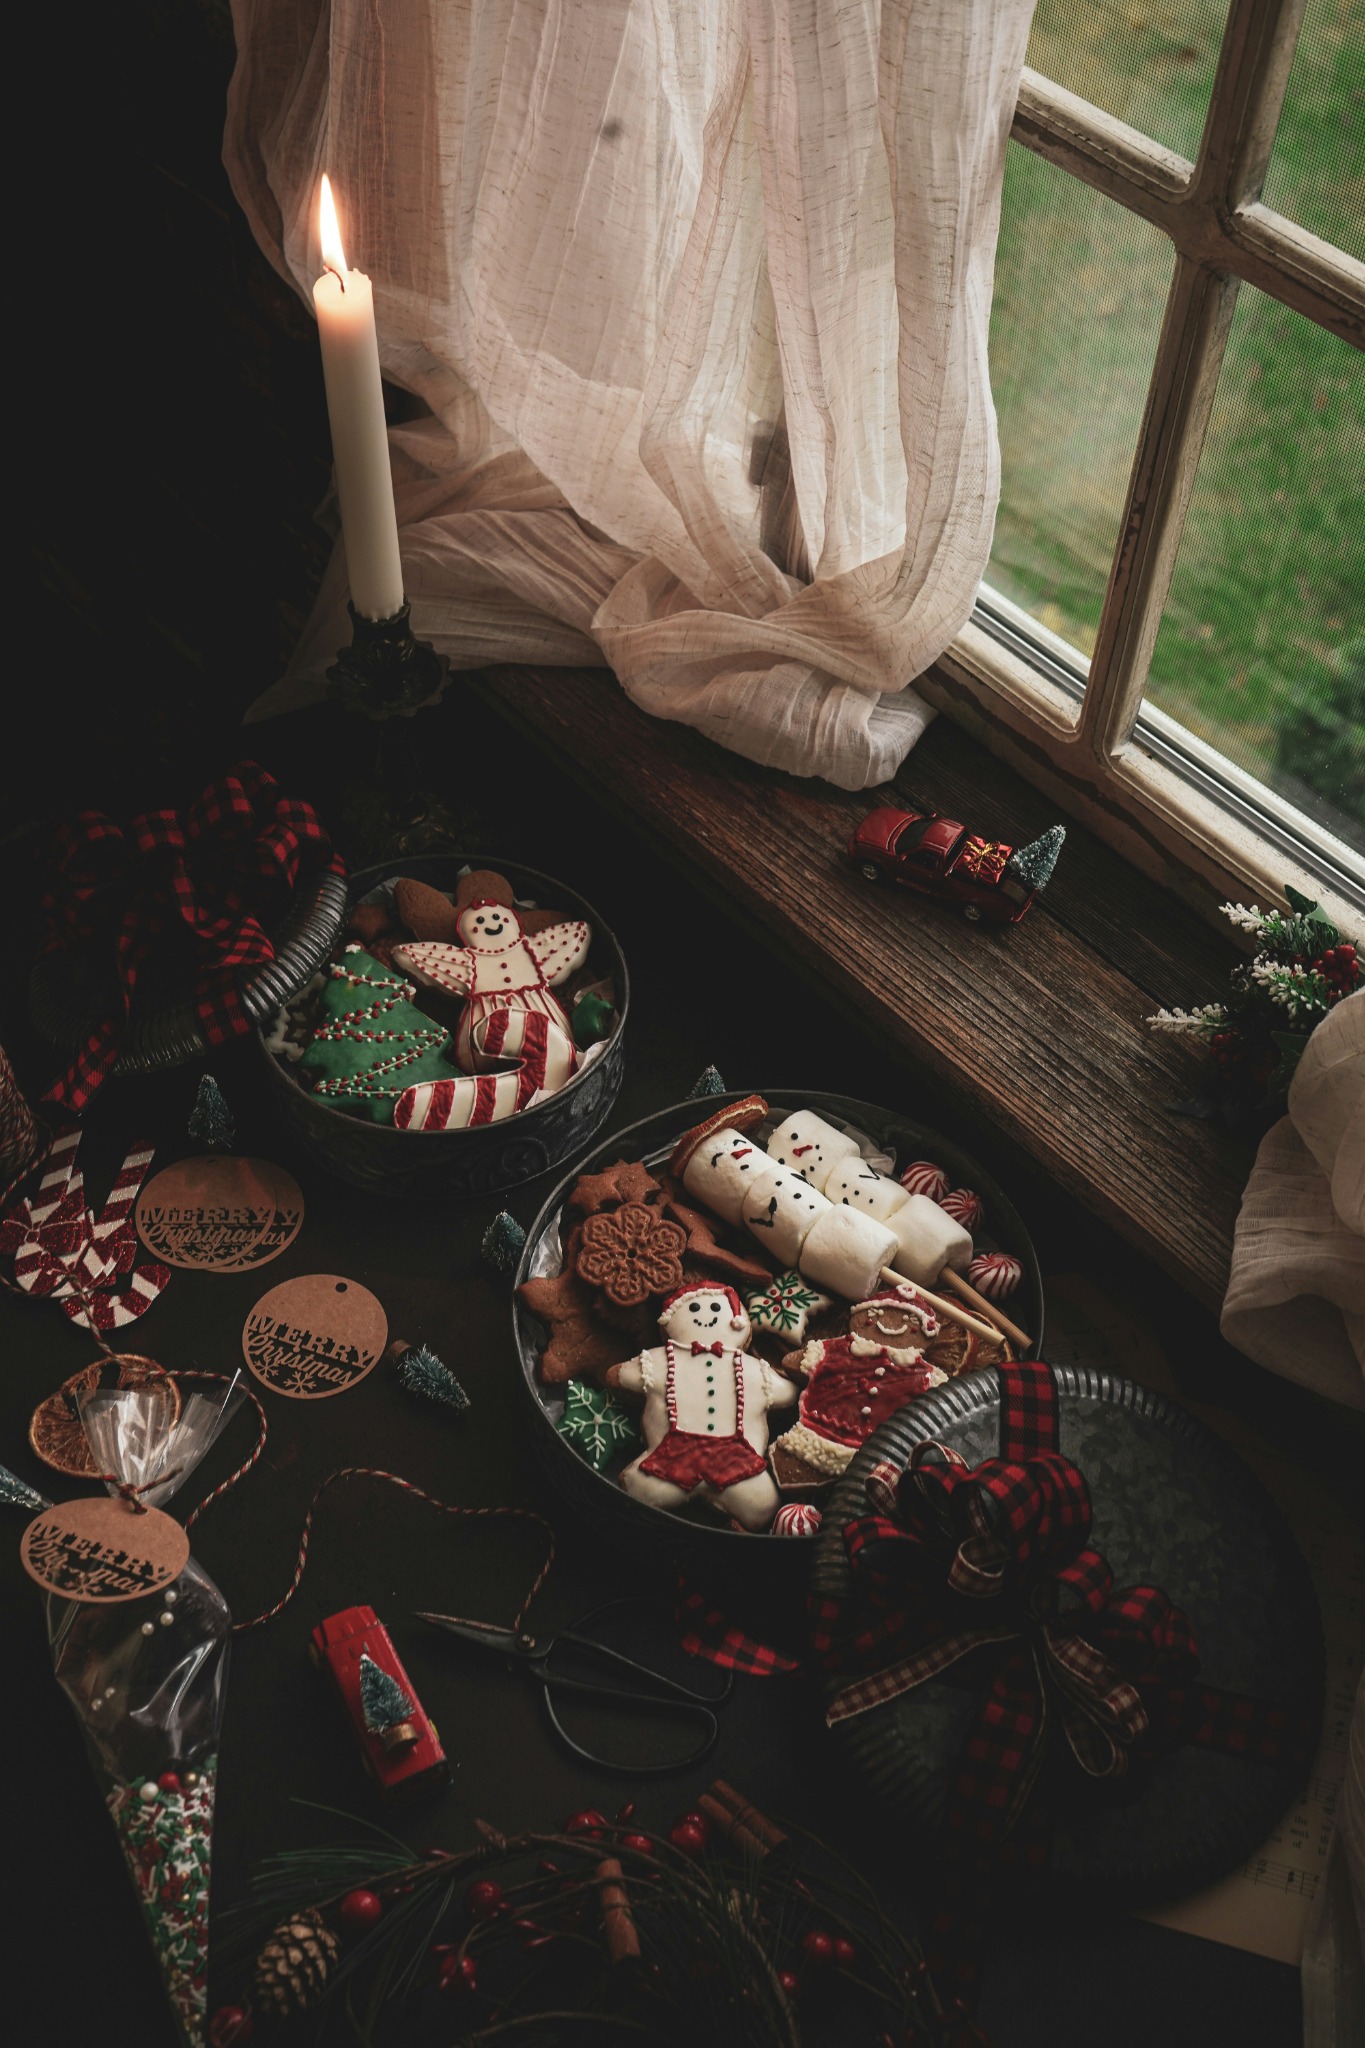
(1039, 1026)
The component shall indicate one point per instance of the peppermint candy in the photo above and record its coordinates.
(922, 1177)
(965, 1207)
(995, 1274)
(797, 1518)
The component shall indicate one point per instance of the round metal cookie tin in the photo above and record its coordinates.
(597, 1496)
(480, 1161)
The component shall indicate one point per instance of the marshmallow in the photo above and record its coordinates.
(927, 1240)
(862, 1187)
(780, 1209)
(846, 1250)
(806, 1144)
(721, 1172)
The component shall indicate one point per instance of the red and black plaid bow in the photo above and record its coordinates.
(216, 876)
(953, 1561)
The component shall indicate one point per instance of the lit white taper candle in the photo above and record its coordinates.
(344, 302)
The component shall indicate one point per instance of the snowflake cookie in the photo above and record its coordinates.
(595, 1424)
(785, 1306)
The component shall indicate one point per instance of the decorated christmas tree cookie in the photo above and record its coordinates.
(371, 1042)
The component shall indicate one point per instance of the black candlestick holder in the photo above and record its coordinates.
(387, 672)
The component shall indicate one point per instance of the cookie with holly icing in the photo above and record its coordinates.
(785, 1306)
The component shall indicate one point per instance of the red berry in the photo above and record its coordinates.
(168, 1782)
(639, 1845)
(845, 1955)
(790, 1983)
(818, 1947)
(589, 1823)
(458, 1973)
(230, 2027)
(360, 1911)
(688, 1840)
(626, 1812)
(698, 1821)
(482, 1898)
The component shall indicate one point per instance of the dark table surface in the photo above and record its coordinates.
(1113, 1978)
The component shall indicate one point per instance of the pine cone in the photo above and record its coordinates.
(293, 1967)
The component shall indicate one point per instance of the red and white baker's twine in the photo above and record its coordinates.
(408, 1486)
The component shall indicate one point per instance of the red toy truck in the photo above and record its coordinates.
(935, 856)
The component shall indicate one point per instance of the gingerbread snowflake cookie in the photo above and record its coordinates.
(631, 1253)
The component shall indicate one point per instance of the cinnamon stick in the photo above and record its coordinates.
(618, 1923)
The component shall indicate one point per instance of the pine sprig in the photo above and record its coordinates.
(1301, 969)
(715, 1933)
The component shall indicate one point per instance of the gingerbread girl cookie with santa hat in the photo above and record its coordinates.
(853, 1384)
(706, 1410)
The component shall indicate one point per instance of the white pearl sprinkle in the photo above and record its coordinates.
(148, 1791)
(166, 1619)
(866, 1411)
(108, 1692)
(172, 1597)
(147, 1628)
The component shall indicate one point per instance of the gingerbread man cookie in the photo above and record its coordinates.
(706, 1410)
(854, 1383)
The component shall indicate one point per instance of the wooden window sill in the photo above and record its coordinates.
(1039, 1027)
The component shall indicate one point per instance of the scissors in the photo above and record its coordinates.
(644, 1690)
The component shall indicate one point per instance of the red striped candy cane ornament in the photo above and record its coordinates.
(105, 1308)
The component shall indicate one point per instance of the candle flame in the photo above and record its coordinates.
(333, 255)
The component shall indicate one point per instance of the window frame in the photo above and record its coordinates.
(1084, 733)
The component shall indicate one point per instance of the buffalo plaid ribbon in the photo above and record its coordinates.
(996, 1560)
(705, 1630)
(215, 876)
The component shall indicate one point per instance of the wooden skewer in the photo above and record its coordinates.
(949, 1278)
(948, 1309)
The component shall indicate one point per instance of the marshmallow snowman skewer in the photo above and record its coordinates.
(840, 1245)
(933, 1248)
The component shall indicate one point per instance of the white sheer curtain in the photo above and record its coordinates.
(1296, 1291)
(697, 292)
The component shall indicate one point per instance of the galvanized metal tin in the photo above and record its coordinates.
(597, 1496)
(66, 993)
(403, 1164)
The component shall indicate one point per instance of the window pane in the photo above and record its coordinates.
(1151, 65)
(1080, 287)
(1317, 167)
(1262, 646)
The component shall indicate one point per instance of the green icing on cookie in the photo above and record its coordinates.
(595, 1424)
(371, 1042)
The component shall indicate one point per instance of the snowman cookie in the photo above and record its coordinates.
(706, 1410)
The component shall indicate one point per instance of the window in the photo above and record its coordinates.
(1171, 634)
